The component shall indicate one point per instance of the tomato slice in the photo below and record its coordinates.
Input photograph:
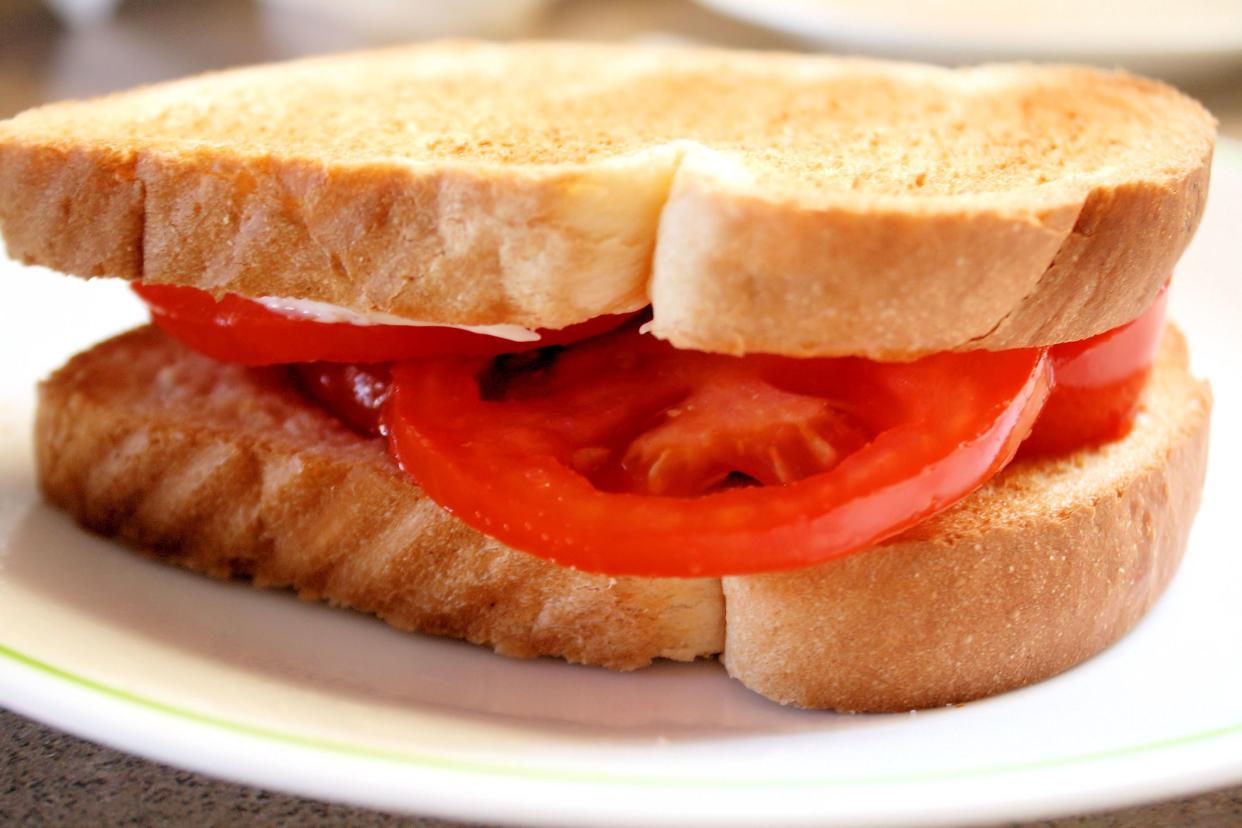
(633, 419)
(626, 456)
(237, 329)
(1098, 384)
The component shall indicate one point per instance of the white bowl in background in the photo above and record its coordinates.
(304, 26)
(1173, 39)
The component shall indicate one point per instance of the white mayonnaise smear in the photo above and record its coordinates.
(324, 312)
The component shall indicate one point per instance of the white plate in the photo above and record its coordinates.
(257, 687)
(1176, 39)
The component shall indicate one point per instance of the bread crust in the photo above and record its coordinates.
(619, 189)
(895, 282)
(230, 472)
(1041, 569)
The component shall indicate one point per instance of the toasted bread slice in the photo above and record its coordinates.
(231, 472)
(760, 202)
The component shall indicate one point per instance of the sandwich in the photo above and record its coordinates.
(853, 374)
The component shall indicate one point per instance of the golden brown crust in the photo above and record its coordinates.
(849, 206)
(896, 282)
(230, 472)
(1041, 569)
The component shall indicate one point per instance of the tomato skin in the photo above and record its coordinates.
(237, 329)
(355, 394)
(1099, 383)
(506, 467)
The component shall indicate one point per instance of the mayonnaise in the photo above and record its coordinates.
(325, 312)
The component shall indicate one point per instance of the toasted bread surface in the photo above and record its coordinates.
(231, 472)
(759, 202)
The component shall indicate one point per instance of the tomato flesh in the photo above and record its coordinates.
(735, 430)
(562, 460)
(236, 329)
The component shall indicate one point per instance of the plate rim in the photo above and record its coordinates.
(450, 793)
(443, 763)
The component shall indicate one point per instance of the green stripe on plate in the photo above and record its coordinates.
(568, 775)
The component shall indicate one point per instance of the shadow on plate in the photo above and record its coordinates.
(355, 658)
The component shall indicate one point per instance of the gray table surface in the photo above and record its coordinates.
(50, 778)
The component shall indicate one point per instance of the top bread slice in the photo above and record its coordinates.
(759, 202)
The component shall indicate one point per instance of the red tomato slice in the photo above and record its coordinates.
(626, 456)
(236, 329)
(1099, 382)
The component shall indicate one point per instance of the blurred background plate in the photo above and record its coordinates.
(1175, 40)
(314, 25)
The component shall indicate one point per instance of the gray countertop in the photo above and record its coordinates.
(47, 777)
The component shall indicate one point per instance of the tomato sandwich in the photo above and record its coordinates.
(854, 374)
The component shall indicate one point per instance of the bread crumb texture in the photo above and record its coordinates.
(759, 201)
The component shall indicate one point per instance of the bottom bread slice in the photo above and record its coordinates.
(231, 472)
